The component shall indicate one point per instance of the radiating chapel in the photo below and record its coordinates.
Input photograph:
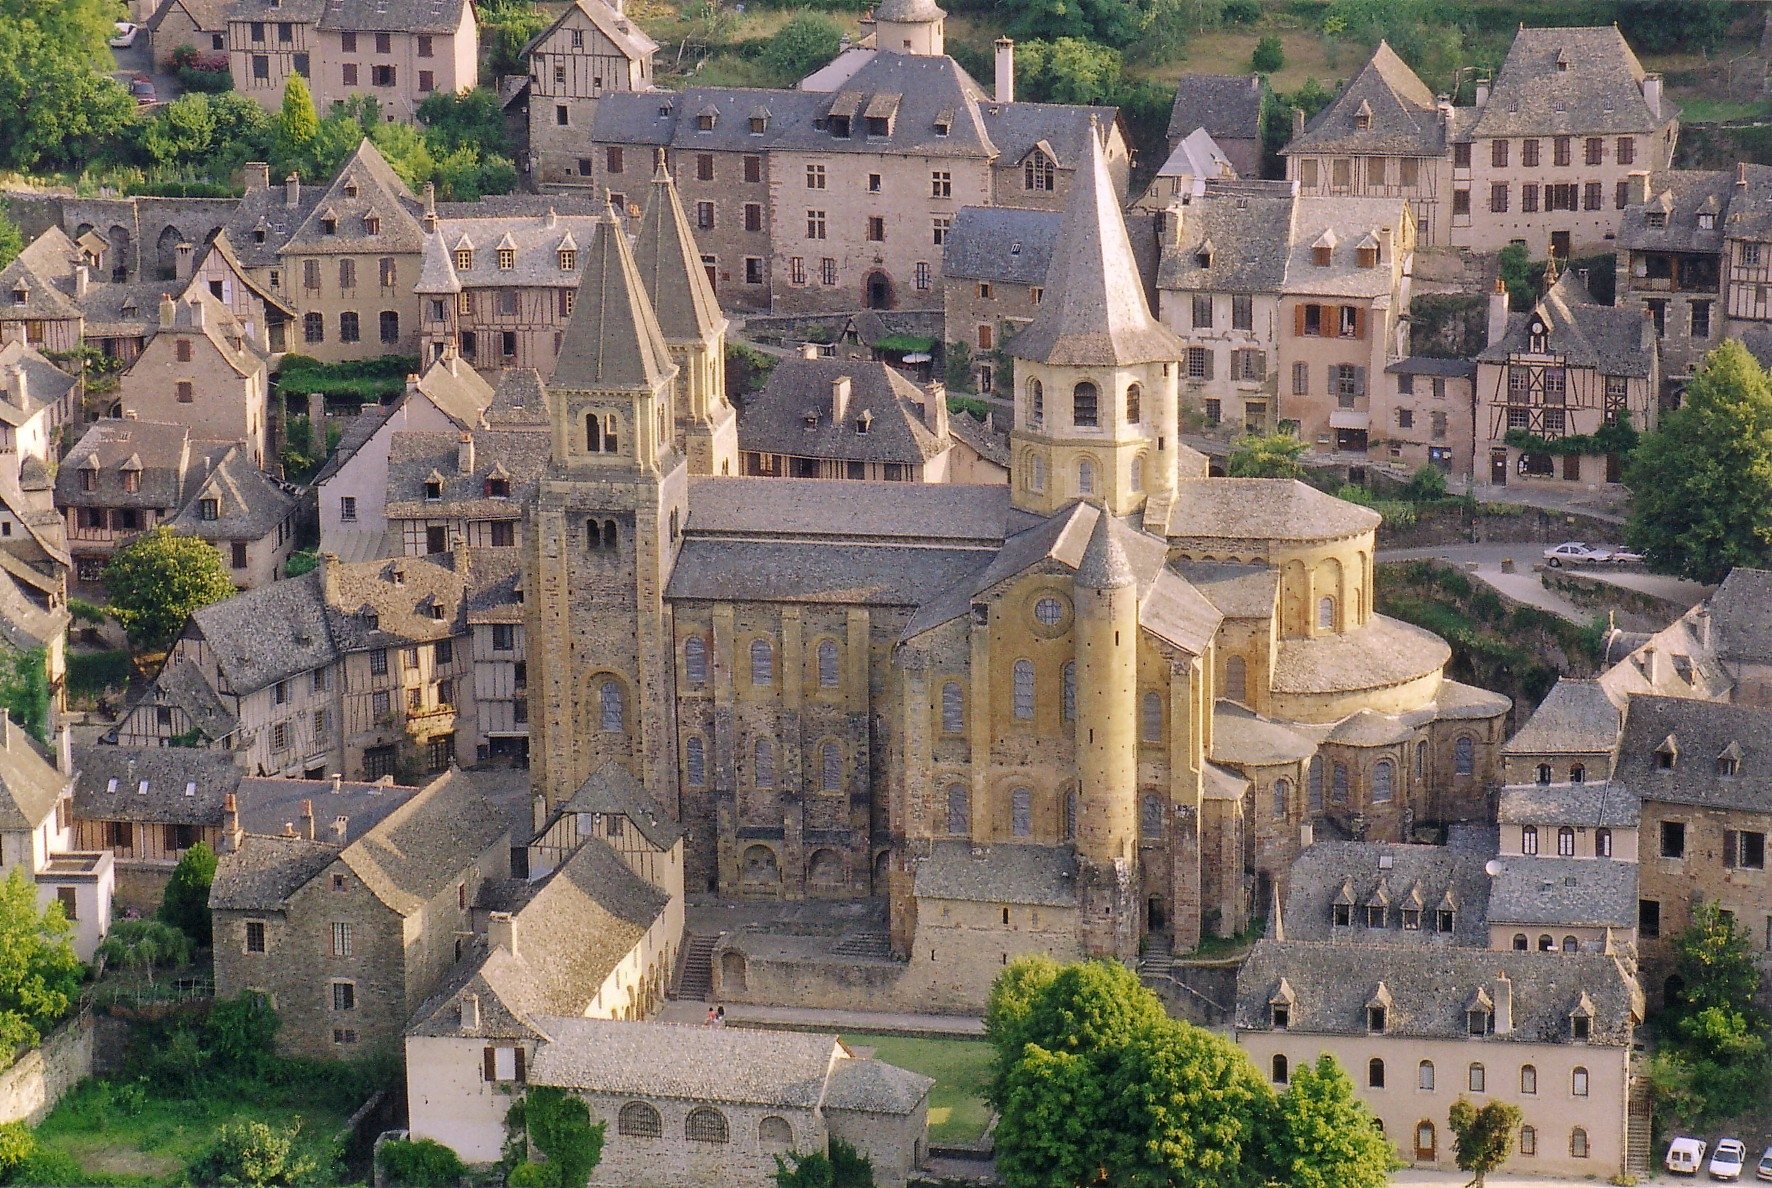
(1104, 705)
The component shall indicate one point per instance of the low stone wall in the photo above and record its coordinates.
(770, 979)
(1638, 609)
(36, 1081)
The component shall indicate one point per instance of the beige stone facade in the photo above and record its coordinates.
(591, 50)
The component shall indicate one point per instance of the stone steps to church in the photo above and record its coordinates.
(695, 971)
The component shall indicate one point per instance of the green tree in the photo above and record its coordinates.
(185, 903)
(843, 1167)
(60, 111)
(1007, 1010)
(1070, 70)
(1482, 1139)
(158, 579)
(472, 119)
(1326, 1137)
(255, 1155)
(1701, 484)
(39, 973)
(420, 1163)
(1714, 1052)
(803, 44)
(12, 239)
(145, 945)
(181, 131)
(240, 1034)
(1272, 455)
(1426, 485)
(559, 1126)
(405, 149)
(297, 124)
(24, 689)
(1269, 55)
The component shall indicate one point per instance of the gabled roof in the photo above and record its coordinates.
(1225, 106)
(403, 16)
(1248, 225)
(535, 241)
(208, 15)
(1396, 107)
(1582, 331)
(1679, 197)
(250, 504)
(794, 414)
(522, 456)
(380, 194)
(1598, 804)
(436, 270)
(164, 456)
(456, 389)
(1703, 731)
(1576, 717)
(425, 844)
(612, 788)
(181, 785)
(1005, 244)
(670, 265)
(1582, 81)
(998, 874)
(613, 340)
(44, 383)
(731, 1065)
(1741, 615)
(1264, 509)
(1546, 892)
(29, 784)
(626, 35)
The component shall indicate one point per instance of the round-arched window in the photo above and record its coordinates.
(639, 1120)
(1085, 400)
(1036, 403)
(705, 1124)
(1085, 477)
(1133, 401)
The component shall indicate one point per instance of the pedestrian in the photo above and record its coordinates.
(720, 1017)
(711, 1020)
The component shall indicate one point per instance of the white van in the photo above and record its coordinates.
(1686, 1156)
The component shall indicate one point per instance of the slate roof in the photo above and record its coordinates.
(1563, 892)
(1332, 984)
(1679, 196)
(613, 340)
(669, 262)
(1401, 116)
(495, 593)
(1577, 81)
(688, 1062)
(266, 870)
(424, 844)
(26, 619)
(1600, 803)
(164, 456)
(380, 193)
(519, 456)
(45, 383)
(1264, 509)
(990, 442)
(612, 788)
(1246, 224)
(1702, 731)
(456, 389)
(1227, 106)
(794, 414)
(1586, 334)
(1576, 717)
(501, 986)
(875, 1087)
(797, 509)
(250, 504)
(1004, 244)
(1427, 365)
(1238, 591)
(1045, 876)
(264, 219)
(1246, 739)
(209, 15)
(536, 242)
(413, 599)
(267, 634)
(354, 436)
(1741, 615)
(1383, 652)
(1349, 222)
(403, 16)
(269, 805)
(180, 683)
(625, 34)
(519, 399)
(29, 784)
(815, 572)
(1356, 874)
(184, 785)
(1750, 210)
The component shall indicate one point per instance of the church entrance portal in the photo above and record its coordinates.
(879, 291)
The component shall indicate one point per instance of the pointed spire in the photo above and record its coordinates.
(612, 339)
(436, 271)
(670, 264)
(1096, 313)
(1104, 565)
(1276, 924)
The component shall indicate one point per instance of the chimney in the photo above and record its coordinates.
(464, 454)
(82, 278)
(470, 1012)
(197, 312)
(809, 350)
(168, 311)
(1652, 664)
(935, 410)
(341, 828)
(1504, 1004)
(430, 206)
(182, 256)
(460, 559)
(1307, 836)
(1636, 187)
(1648, 329)
(230, 833)
(256, 176)
(1652, 93)
(1482, 92)
(840, 389)
(64, 751)
(1701, 619)
(19, 384)
(1384, 246)
(289, 829)
(1741, 174)
(1497, 313)
(1297, 122)
(1005, 70)
(411, 384)
(292, 190)
(338, 783)
(307, 819)
(501, 931)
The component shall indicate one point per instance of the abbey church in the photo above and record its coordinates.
(1103, 706)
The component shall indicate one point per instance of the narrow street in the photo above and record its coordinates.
(1524, 585)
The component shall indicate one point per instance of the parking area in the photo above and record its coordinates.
(139, 59)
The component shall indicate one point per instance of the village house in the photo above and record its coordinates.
(994, 264)
(37, 837)
(201, 370)
(591, 49)
(1228, 108)
(247, 515)
(844, 419)
(1565, 877)
(201, 25)
(37, 399)
(1424, 410)
(1183, 177)
(469, 487)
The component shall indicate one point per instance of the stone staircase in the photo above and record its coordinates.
(1156, 958)
(695, 970)
(1639, 1157)
(863, 944)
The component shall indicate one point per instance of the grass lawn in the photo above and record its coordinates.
(957, 1112)
(93, 1125)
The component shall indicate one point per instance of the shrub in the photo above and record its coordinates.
(1241, 12)
(49, 1166)
(1269, 55)
(560, 1128)
(185, 904)
(530, 1174)
(17, 1144)
(253, 1154)
(423, 1163)
(241, 1032)
(1426, 484)
(804, 44)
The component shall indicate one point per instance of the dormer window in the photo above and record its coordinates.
(1375, 1018)
(1656, 219)
(498, 488)
(351, 188)
(1729, 762)
(839, 126)
(1580, 1028)
(372, 224)
(879, 125)
(209, 509)
(944, 123)
(433, 490)
(371, 621)
(436, 610)
(464, 258)
(507, 259)
(20, 296)
(132, 481)
(1363, 116)
(864, 422)
(1706, 220)
(568, 260)
(1444, 919)
(258, 235)
(706, 120)
(1344, 915)
(1411, 919)
(1281, 1016)
(1477, 1022)
(759, 124)
(329, 226)
(1366, 257)
(1667, 754)
(1320, 256)
(1375, 915)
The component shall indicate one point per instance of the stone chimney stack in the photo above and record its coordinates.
(231, 833)
(411, 384)
(1005, 70)
(198, 313)
(338, 783)
(470, 1012)
(1701, 619)
(809, 350)
(501, 931)
(430, 219)
(256, 176)
(82, 279)
(1504, 1004)
(464, 453)
(307, 819)
(1297, 122)
(1497, 313)
(1648, 329)
(1652, 664)
(19, 386)
(168, 311)
(292, 190)
(1385, 239)
(1652, 93)
(183, 256)
(935, 410)
(64, 751)
(841, 388)
(1482, 92)
(1741, 174)
(1636, 191)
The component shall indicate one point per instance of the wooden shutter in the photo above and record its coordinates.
(1210, 353)
(490, 1060)
(1258, 364)
(1359, 322)
(522, 1071)
(1359, 381)
(1298, 313)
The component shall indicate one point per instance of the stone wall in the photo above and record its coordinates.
(30, 1088)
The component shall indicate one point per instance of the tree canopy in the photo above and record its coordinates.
(1272, 455)
(803, 45)
(145, 945)
(185, 903)
(1713, 1060)
(1327, 1137)
(1701, 484)
(1483, 1137)
(39, 973)
(158, 579)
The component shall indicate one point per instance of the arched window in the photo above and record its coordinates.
(1022, 689)
(1528, 839)
(1279, 1069)
(1565, 842)
(1578, 1143)
(1070, 692)
(1150, 718)
(1546, 944)
(762, 662)
(763, 761)
(1521, 944)
(1528, 1140)
(1420, 759)
(1571, 945)
(1036, 403)
(1236, 680)
(827, 664)
(1479, 1079)
(1424, 1075)
(1528, 1079)
(695, 761)
(1464, 756)
(610, 537)
(953, 708)
(959, 810)
(1578, 1083)
(1338, 785)
(1577, 774)
(593, 433)
(695, 660)
(1384, 774)
(775, 1134)
(1282, 799)
(1602, 843)
(830, 768)
(1070, 816)
(1325, 613)
(639, 1120)
(613, 707)
(1039, 480)
(1133, 393)
(705, 1124)
(1084, 401)
(1375, 1073)
(1150, 816)
(1085, 477)
(1544, 773)
(1138, 473)
(1021, 812)
(1315, 784)
(1425, 1149)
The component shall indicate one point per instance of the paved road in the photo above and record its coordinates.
(1524, 585)
(1411, 1178)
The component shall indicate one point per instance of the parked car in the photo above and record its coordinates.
(142, 87)
(1626, 557)
(1764, 1170)
(1576, 551)
(1726, 1163)
(1686, 1155)
(123, 34)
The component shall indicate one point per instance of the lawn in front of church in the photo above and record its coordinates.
(957, 1110)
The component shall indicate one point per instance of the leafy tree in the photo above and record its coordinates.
(12, 239)
(803, 44)
(1326, 1137)
(1069, 70)
(158, 579)
(255, 1155)
(60, 110)
(185, 903)
(1483, 1138)
(1269, 55)
(472, 119)
(1273, 455)
(506, 26)
(17, 1144)
(297, 124)
(1518, 275)
(145, 945)
(241, 1032)
(1701, 485)
(405, 148)
(1714, 1059)
(24, 689)
(1201, 1114)
(1425, 485)
(559, 1126)
(1007, 1010)
(843, 1167)
(1241, 12)
(180, 132)
(39, 973)
(420, 1163)
(1117, 24)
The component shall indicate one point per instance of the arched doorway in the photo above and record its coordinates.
(1425, 1148)
(877, 290)
(1156, 916)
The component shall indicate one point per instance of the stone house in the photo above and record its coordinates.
(37, 837)
(844, 419)
(1183, 176)
(499, 651)
(994, 264)
(1229, 109)
(265, 316)
(469, 486)
(247, 515)
(33, 303)
(200, 24)
(202, 370)
(1426, 409)
(1565, 877)
(591, 50)
(1569, 737)
(345, 939)
(398, 54)
(1567, 368)
(37, 399)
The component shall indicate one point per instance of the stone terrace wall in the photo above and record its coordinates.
(30, 1088)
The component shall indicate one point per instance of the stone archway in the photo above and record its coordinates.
(877, 290)
(732, 973)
